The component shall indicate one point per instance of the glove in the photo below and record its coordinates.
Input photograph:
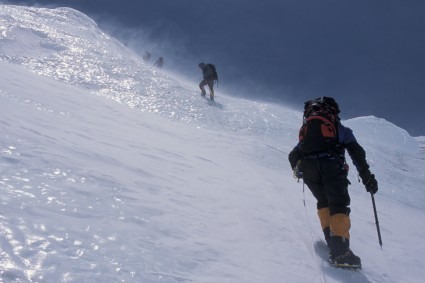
(369, 182)
(298, 173)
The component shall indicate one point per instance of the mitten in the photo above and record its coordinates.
(298, 173)
(369, 181)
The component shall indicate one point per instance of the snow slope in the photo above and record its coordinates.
(165, 186)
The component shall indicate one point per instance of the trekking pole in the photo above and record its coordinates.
(376, 220)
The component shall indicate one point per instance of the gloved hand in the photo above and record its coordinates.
(298, 173)
(369, 181)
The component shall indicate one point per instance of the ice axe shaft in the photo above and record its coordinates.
(376, 220)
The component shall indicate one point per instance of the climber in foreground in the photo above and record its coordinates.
(319, 159)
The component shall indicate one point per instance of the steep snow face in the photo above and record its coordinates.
(95, 191)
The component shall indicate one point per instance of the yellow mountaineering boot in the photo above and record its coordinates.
(340, 254)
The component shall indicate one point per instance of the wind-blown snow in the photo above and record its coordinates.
(165, 186)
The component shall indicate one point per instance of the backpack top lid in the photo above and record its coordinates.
(321, 104)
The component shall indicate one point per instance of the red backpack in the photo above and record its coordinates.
(319, 132)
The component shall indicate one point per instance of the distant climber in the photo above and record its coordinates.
(147, 56)
(209, 74)
(159, 63)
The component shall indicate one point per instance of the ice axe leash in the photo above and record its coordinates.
(376, 220)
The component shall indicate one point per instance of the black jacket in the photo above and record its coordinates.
(347, 140)
(207, 72)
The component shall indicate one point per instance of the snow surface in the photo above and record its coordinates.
(113, 171)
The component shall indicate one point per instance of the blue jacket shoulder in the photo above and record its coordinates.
(345, 135)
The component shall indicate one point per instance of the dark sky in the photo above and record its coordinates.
(368, 54)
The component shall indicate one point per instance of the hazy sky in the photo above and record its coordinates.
(368, 54)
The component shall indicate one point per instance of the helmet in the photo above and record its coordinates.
(324, 103)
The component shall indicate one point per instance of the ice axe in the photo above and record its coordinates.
(376, 220)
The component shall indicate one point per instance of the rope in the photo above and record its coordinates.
(319, 272)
